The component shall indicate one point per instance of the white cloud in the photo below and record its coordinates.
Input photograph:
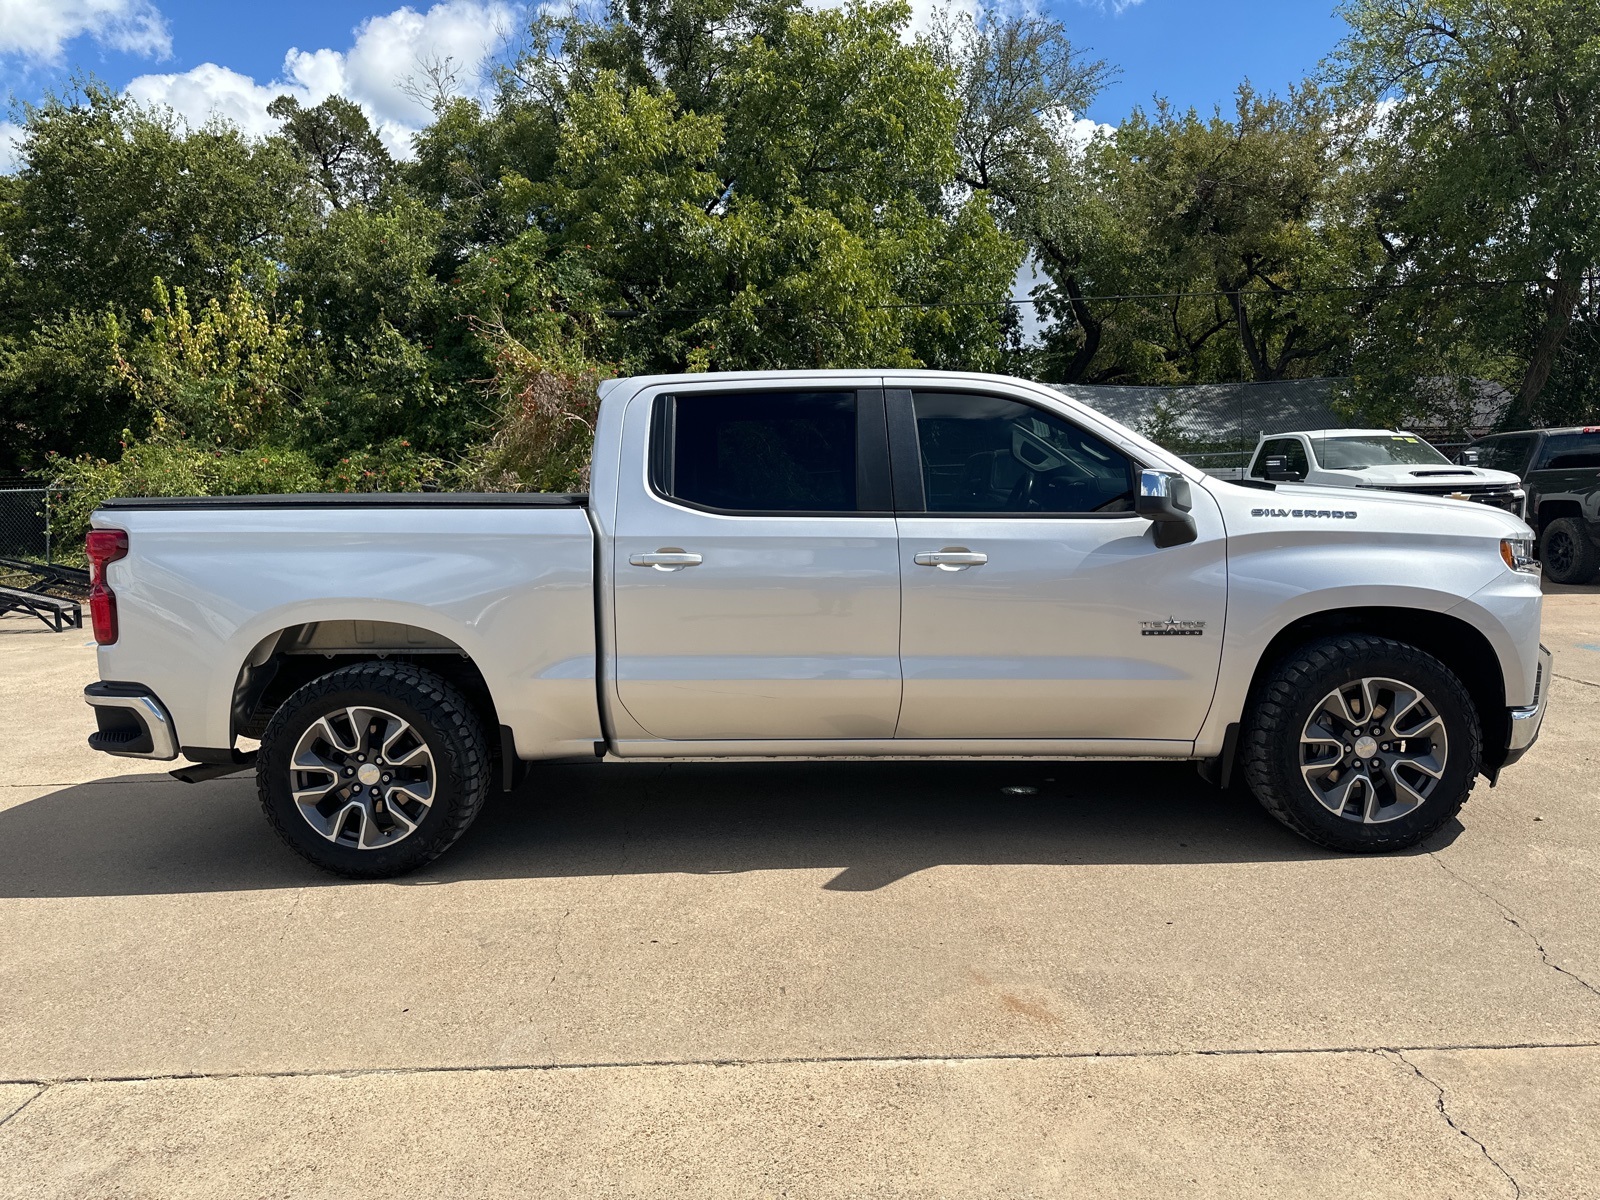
(10, 144)
(41, 29)
(387, 51)
(1116, 6)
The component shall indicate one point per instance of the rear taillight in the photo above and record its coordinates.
(104, 546)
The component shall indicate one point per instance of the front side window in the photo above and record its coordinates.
(983, 454)
(759, 452)
(1288, 449)
(1505, 454)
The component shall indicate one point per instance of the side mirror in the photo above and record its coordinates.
(1469, 458)
(1277, 469)
(1164, 498)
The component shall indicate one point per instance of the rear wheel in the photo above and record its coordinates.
(1362, 743)
(1567, 553)
(373, 770)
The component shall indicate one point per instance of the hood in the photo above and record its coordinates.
(1397, 475)
(1378, 509)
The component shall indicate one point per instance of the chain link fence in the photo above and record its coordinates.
(25, 531)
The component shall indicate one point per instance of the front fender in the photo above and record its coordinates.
(1277, 579)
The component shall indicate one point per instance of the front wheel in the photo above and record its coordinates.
(373, 769)
(1362, 743)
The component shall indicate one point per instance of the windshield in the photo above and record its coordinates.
(1376, 450)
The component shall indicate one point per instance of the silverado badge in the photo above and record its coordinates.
(1171, 628)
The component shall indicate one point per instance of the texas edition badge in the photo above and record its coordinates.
(1172, 628)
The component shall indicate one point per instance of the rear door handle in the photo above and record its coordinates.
(951, 559)
(666, 560)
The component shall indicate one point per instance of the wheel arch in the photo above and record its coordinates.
(1456, 643)
(285, 660)
(1554, 510)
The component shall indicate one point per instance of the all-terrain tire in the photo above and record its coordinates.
(1567, 553)
(1271, 751)
(441, 719)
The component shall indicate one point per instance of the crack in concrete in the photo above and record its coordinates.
(800, 1060)
(1573, 679)
(289, 916)
(1444, 1112)
(43, 1088)
(1511, 918)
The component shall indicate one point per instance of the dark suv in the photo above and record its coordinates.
(1561, 470)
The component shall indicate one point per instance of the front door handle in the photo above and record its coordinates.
(666, 559)
(951, 558)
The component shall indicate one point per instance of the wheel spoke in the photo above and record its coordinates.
(1317, 733)
(1335, 798)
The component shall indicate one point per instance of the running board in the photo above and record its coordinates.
(200, 772)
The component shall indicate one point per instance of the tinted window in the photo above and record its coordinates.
(1562, 444)
(1505, 454)
(985, 454)
(761, 451)
(1289, 449)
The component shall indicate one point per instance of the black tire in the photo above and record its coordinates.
(1567, 553)
(441, 720)
(1296, 690)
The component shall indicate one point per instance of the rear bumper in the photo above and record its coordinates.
(1525, 722)
(132, 722)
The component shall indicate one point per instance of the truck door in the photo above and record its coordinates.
(1035, 603)
(756, 574)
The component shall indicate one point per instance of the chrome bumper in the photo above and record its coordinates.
(132, 722)
(1525, 722)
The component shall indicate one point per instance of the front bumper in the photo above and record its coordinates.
(132, 722)
(1525, 722)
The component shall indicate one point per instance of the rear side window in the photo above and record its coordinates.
(1289, 449)
(758, 452)
(983, 454)
(1565, 446)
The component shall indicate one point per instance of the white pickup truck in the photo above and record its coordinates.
(1393, 460)
(816, 564)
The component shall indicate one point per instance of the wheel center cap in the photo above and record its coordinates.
(369, 774)
(1366, 747)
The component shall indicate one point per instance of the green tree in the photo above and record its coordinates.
(112, 196)
(1478, 123)
(336, 142)
(1243, 220)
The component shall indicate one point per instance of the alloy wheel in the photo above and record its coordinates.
(1373, 750)
(362, 777)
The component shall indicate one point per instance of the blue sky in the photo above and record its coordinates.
(230, 57)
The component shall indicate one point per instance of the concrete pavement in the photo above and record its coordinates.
(831, 979)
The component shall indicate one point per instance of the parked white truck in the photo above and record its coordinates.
(1393, 460)
(817, 564)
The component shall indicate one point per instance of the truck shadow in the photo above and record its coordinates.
(869, 823)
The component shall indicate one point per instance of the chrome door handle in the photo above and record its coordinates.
(952, 559)
(666, 560)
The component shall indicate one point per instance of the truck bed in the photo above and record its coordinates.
(212, 583)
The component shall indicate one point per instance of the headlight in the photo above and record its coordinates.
(1520, 554)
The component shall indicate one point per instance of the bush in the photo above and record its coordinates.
(545, 428)
(176, 469)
